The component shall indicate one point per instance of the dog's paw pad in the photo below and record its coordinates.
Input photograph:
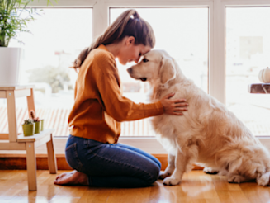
(210, 170)
(170, 181)
(163, 174)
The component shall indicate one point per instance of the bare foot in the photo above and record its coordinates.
(71, 178)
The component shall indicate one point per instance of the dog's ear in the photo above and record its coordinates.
(167, 69)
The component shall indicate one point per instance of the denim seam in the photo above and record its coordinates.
(126, 165)
(70, 146)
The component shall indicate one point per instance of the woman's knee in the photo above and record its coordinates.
(152, 173)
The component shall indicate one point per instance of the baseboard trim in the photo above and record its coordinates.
(18, 162)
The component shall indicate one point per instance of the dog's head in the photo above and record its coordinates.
(156, 66)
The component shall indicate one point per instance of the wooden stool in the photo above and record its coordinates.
(13, 141)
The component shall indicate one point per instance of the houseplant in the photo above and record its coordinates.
(12, 21)
(28, 127)
(36, 121)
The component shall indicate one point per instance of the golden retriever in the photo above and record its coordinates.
(206, 133)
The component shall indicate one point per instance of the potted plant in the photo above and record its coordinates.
(36, 121)
(11, 23)
(28, 127)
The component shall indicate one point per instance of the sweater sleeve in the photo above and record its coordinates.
(117, 106)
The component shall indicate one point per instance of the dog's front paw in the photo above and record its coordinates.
(164, 174)
(171, 181)
(211, 170)
(264, 180)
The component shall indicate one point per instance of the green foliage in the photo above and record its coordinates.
(28, 122)
(55, 77)
(12, 20)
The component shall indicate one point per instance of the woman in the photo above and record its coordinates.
(92, 148)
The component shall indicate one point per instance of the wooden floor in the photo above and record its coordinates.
(196, 187)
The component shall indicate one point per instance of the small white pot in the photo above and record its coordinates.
(9, 66)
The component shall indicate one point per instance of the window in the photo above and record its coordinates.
(247, 52)
(181, 27)
(57, 37)
(183, 33)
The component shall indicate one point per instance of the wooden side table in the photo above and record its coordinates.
(13, 141)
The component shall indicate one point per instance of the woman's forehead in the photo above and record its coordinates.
(144, 49)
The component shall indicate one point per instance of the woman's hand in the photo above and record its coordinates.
(173, 107)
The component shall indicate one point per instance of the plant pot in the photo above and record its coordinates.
(37, 127)
(9, 66)
(42, 125)
(28, 129)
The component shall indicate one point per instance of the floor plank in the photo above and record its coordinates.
(196, 187)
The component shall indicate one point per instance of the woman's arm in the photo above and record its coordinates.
(121, 108)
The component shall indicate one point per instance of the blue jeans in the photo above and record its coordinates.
(111, 165)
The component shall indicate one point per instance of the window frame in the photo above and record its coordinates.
(216, 51)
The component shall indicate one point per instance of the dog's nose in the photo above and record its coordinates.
(129, 70)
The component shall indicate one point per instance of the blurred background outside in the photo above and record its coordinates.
(59, 35)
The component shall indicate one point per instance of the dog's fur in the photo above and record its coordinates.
(206, 133)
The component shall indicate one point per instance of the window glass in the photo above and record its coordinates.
(247, 52)
(56, 38)
(183, 33)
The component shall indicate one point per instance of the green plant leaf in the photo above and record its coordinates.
(11, 20)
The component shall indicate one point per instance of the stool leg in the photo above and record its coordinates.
(31, 166)
(51, 156)
(31, 101)
(11, 114)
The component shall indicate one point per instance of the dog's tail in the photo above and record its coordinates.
(248, 160)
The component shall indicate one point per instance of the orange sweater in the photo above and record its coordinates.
(99, 106)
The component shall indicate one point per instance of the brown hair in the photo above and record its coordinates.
(129, 23)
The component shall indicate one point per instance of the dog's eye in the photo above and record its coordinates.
(145, 60)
